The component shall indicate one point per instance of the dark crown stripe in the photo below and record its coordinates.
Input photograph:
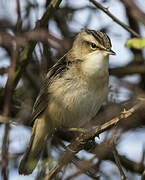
(94, 33)
(97, 37)
(101, 37)
(109, 41)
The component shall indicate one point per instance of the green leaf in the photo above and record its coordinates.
(137, 43)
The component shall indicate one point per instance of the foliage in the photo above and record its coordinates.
(137, 43)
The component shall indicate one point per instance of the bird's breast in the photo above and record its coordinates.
(74, 102)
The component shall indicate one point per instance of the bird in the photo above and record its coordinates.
(71, 94)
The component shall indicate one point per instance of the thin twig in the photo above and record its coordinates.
(118, 163)
(103, 151)
(6, 112)
(19, 19)
(80, 141)
(6, 39)
(88, 169)
(7, 101)
(105, 10)
(4, 154)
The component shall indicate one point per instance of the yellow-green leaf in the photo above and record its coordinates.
(137, 43)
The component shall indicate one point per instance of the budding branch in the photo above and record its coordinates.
(79, 143)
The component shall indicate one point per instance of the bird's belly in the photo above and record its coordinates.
(84, 108)
(76, 106)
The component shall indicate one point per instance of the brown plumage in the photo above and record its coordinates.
(72, 92)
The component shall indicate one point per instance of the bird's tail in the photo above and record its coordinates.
(37, 141)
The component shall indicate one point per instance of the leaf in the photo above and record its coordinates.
(137, 43)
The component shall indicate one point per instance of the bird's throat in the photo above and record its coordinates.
(95, 65)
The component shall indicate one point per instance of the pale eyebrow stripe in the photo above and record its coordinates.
(105, 40)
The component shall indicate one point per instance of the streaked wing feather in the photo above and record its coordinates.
(42, 100)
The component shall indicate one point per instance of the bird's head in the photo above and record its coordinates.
(90, 42)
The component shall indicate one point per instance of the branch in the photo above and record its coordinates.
(103, 151)
(79, 143)
(131, 69)
(27, 51)
(105, 10)
(42, 35)
(19, 18)
(6, 112)
(134, 10)
(118, 163)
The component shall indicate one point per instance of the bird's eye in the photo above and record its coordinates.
(93, 46)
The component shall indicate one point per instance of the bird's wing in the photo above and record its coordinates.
(42, 100)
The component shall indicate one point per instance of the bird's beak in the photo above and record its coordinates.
(110, 52)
